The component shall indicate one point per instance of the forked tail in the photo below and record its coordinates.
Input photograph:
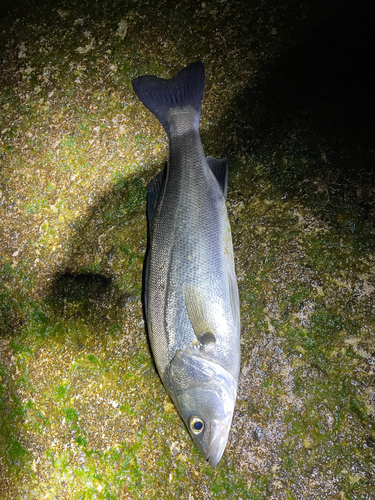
(160, 95)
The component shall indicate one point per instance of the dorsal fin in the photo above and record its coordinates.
(198, 314)
(220, 169)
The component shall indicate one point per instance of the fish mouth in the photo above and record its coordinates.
(219, 433)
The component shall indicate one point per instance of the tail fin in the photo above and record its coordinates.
(160, 95)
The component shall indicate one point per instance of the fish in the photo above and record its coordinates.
(191, 299)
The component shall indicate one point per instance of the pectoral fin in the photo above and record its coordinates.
(234, 298)
(198, 314)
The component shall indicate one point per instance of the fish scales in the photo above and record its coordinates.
(183, 242)
(191, 296)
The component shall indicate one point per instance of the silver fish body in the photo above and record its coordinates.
(192, 302)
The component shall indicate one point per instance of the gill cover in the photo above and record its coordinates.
(205, 395)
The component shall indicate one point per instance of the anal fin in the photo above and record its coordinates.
(154, 189)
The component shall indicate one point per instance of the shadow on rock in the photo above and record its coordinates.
(309, 118)
(75, 295)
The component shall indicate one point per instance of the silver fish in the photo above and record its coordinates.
(191, 295)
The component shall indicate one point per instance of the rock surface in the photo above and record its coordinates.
(289, 101)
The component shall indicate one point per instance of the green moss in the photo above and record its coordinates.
(230, 485)
(16, 455)
(62, 390)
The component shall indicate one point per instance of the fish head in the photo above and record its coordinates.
(204, 394)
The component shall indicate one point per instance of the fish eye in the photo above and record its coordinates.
(196, 425)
